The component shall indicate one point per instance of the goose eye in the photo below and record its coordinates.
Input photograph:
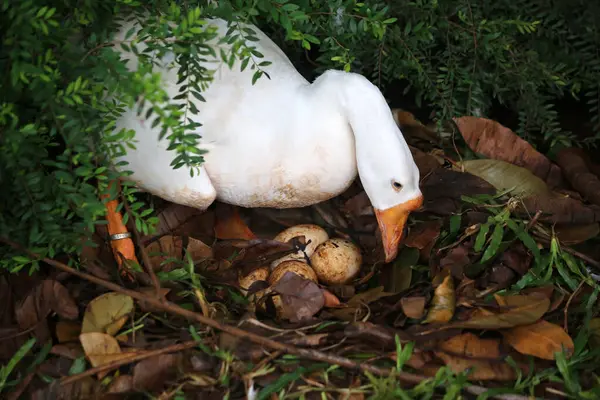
(397, 186)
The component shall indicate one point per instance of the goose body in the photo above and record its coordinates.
(283, 142)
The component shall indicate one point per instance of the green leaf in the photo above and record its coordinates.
(481, 237)
(256, 76)
(494, 245)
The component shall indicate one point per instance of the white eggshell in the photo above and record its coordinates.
(314, 233)
(259, 274)
(336, 261)
(299, 268)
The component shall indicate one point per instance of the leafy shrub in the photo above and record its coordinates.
(63, 84)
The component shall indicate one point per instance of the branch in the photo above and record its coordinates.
(263, 341)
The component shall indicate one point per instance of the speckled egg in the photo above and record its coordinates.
(336, 261)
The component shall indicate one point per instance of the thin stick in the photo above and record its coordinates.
(119, 363)
(144, 253)
(285, 348)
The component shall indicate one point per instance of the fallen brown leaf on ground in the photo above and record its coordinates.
(455, 261)
(229, 224)
(575, 234)
(84, 388)
(198, 250)
(443, 188)
(483, 356)
(493, 140)
(519, 310)
(101, 349)
(48, 295)
(507, 177)
(426, 163)
(558, 209)
(413, 307)
(443, 303)
(107, 313)
(355, 307)
(300, 297)
(152, 373)
(67, 331)
(573, 163)
(179, 220)
(541, 339)
(413, 128)
(164, 251)
(423, 237)
(121, 384)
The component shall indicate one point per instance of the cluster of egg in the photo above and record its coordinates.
(333, 261)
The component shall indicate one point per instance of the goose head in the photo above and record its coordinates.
(391, 182)
(385, 164)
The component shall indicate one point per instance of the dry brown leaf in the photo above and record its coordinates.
(426, 163)
(107, 313)
(483, 356)
(493, 140)
(150, 375)
(100, 349)
(455, 261)
(174, 217)
(67, 331)
(541, 339)
(504, 176)
(413, 307)
(330, 299)
(574, 166)
(412, 127)
(229, 224)
(121, 384)
(301, 298)
(517, 258)
(198, 250)
(423, 237)
(48, 295)
(355, 307)
(443, 302)
(520, 310)
(84, 388)
(559, 209)
(167, 247)
(575, 234)
(72, 351)
(443, 189)
(358, 206)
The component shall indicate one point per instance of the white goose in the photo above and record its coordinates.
(282, 142)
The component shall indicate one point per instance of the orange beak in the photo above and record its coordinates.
(391, 224)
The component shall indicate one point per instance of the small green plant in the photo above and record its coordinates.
(7, 369)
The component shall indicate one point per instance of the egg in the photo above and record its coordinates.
(259, 274)
(299, 268)
(336, 261)
(313, 233)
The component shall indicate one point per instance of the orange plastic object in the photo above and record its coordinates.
(122, 248)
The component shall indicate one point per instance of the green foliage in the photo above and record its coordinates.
(63, 84)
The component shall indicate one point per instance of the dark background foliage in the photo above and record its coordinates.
(63, 85)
